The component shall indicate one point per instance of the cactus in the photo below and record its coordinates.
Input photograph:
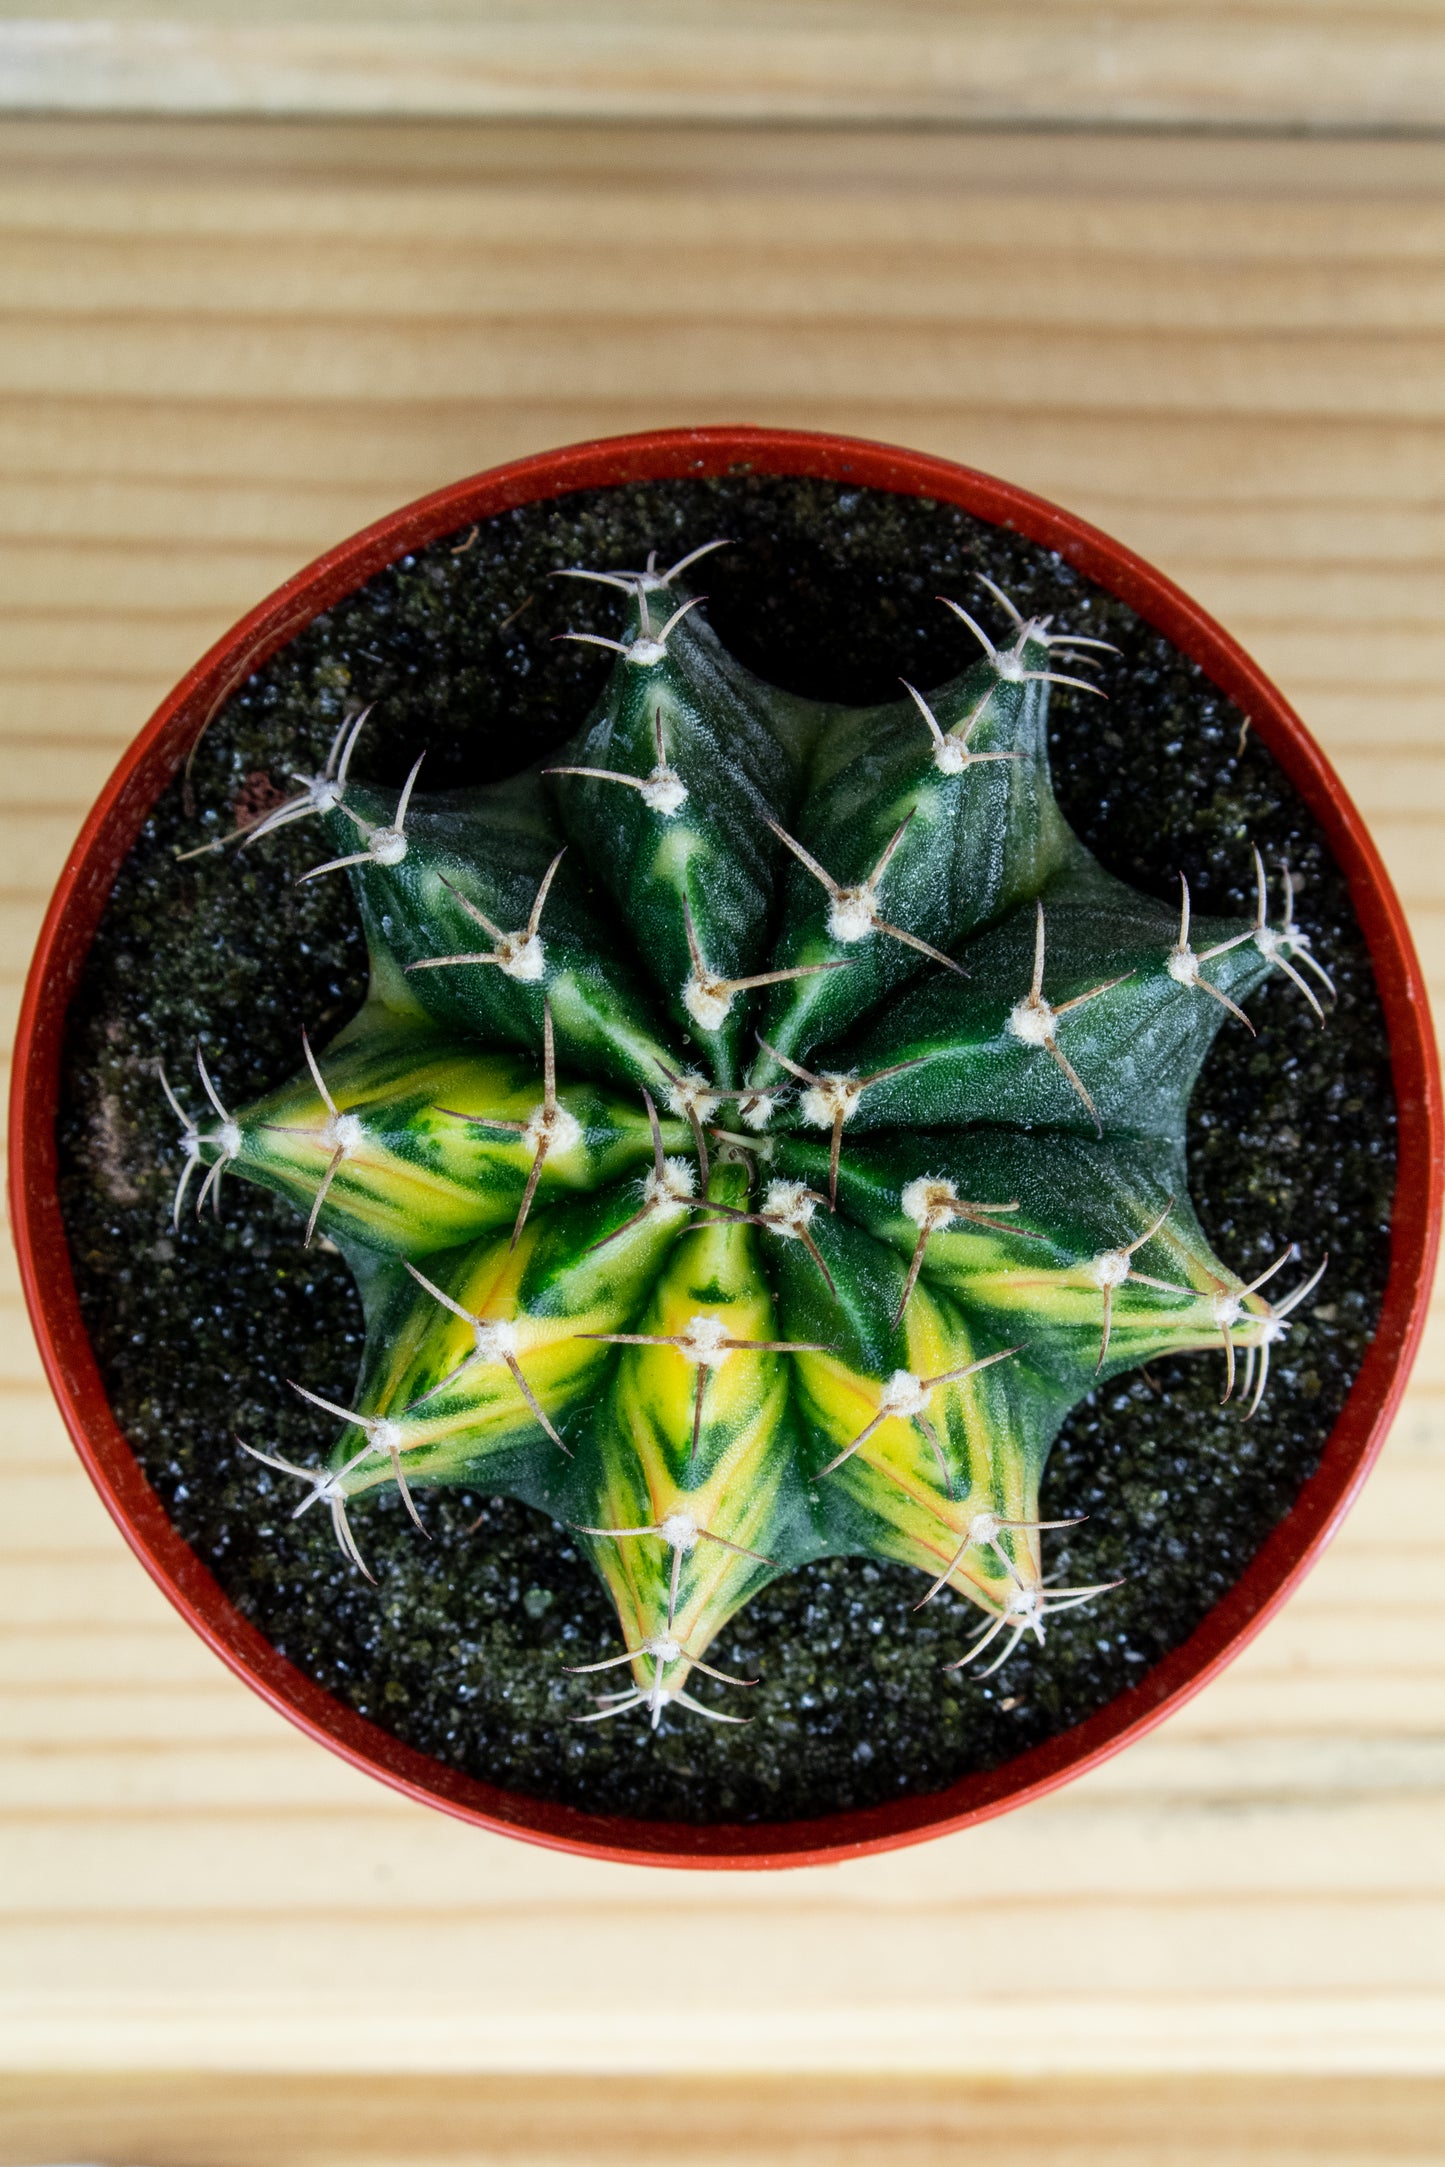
(766, 1121)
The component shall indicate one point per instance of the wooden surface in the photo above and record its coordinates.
(1372, 65)
(703, 2122)
(229, 346)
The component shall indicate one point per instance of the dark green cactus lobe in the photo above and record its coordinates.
(766, 1123)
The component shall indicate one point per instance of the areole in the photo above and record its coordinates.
(76, 911)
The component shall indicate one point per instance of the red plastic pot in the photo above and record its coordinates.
(50, 1292)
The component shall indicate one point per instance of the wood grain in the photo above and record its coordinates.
(228, 346)
(1351, 64)
(612, 2122)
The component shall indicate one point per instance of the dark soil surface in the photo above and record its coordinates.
(829, 591)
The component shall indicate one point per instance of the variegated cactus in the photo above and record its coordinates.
(766, 1122)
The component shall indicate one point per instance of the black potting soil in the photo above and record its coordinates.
(459, 1649)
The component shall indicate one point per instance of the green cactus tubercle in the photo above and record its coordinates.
(765, 1123)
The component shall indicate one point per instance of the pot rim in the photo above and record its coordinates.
(74, 915)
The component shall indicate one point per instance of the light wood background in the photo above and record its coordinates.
(229, 344)
(703, 2121)
(1356, 64)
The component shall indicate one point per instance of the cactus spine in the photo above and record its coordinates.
(766, 1122)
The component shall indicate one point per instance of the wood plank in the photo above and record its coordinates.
(369, 2121)
(233, 355)
(1137, 329)
(756, 1986)
(1280, 63)
(559, 268)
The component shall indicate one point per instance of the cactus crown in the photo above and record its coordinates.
(766, 1122)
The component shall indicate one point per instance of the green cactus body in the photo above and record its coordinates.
(766, 1123)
